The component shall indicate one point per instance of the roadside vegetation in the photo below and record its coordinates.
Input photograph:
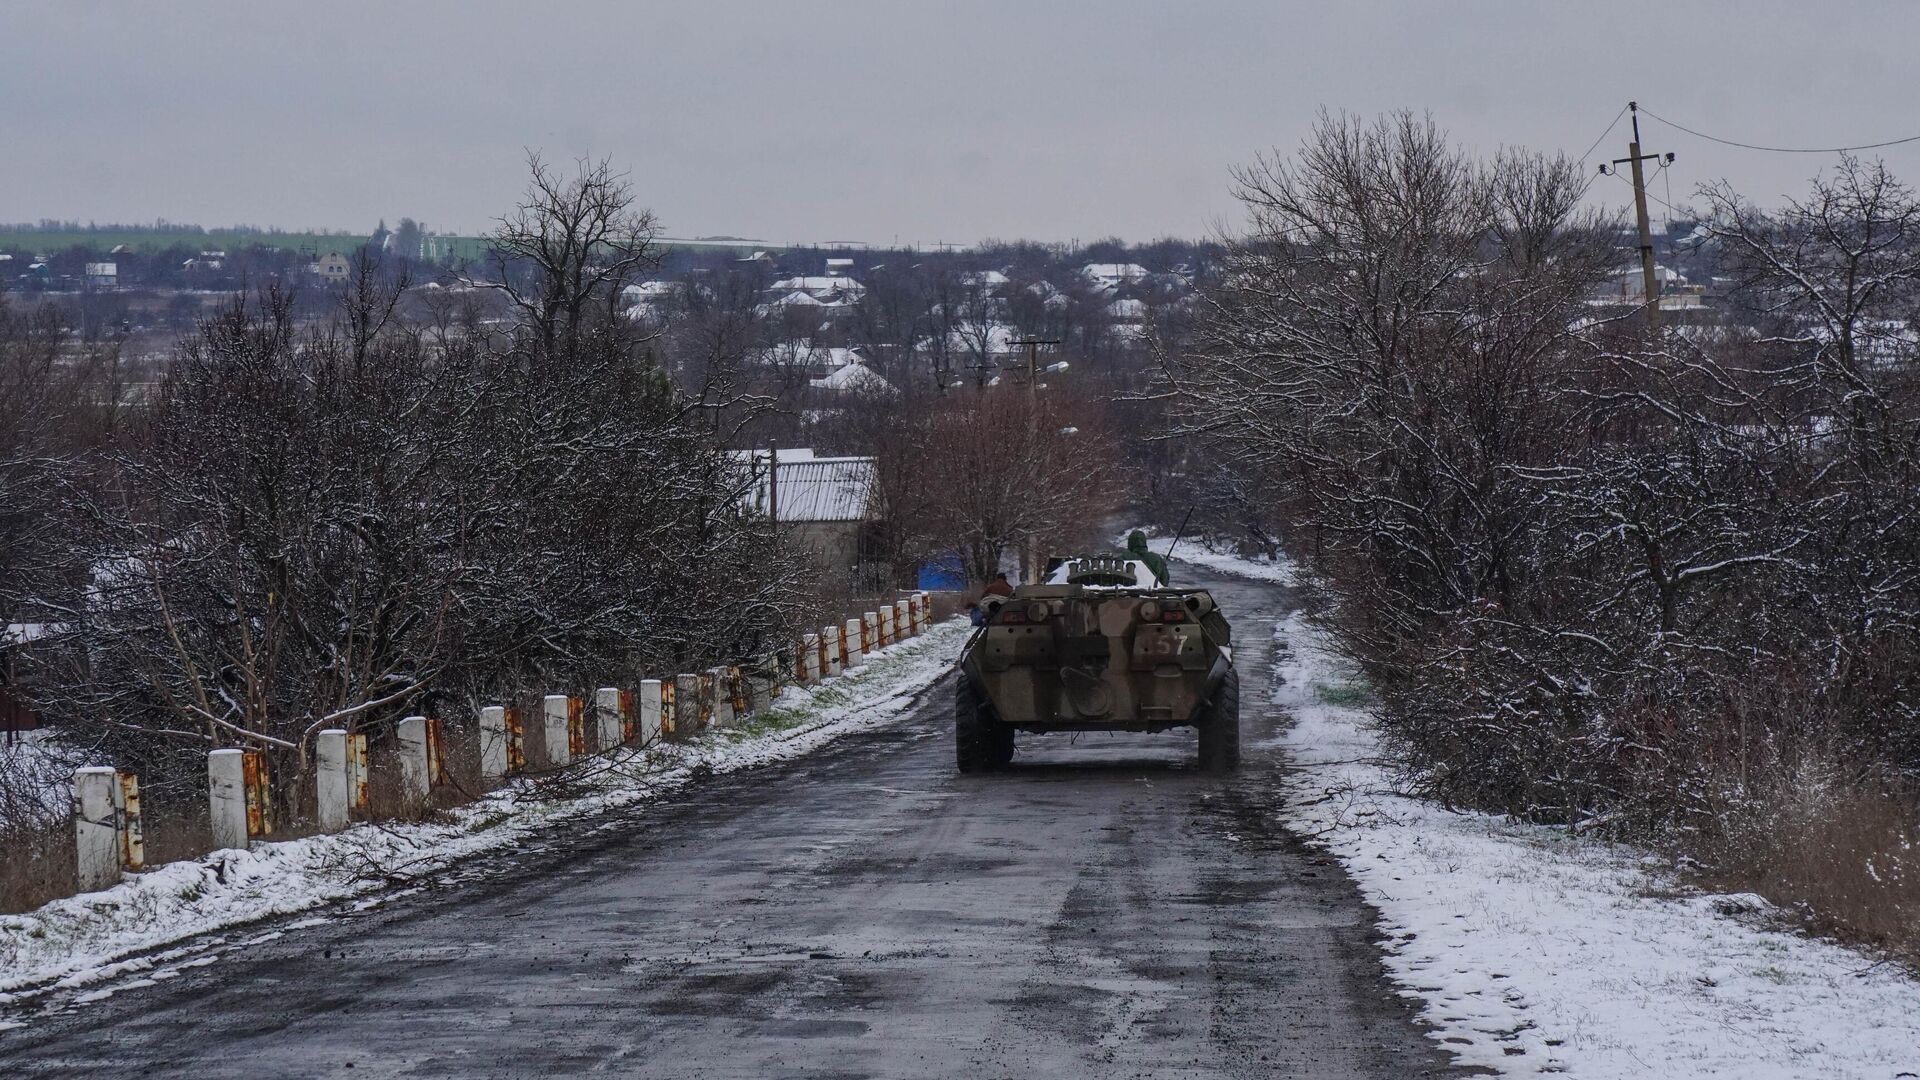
(1662, 583)
(308, 524)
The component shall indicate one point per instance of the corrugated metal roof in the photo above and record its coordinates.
(819, 489)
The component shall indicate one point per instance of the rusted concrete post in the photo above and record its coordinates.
(133, 837)
(411, 736)
(553, 712)
(926, 610)
(833, 640)
(96, 828)
(902, 622)
(330, 780)
(883, 636)
(650, 707)
(607, 718)
(227, 798)
(869, 632)
(852, 655)
(493, 744)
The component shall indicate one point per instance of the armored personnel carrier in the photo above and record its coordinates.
(1102, 645)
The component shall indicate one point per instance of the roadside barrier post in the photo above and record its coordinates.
(607, 718)
(687, 705)
(330, 780)
(869, 632)
(926, 610)
(811, 652)
(852, 643)
(651, 707)
(885, 637)
(802, 647)
(629, 715)
(903, 619)
(227, 798)
(721, 682)
(493, 744)
(411, 734)
(554, 710)
(96, 828)
(356, 772)
(833, 649)
(126, 806)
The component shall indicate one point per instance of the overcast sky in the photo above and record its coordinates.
(877, 121)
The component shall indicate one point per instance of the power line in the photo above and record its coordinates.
(1777, 149)
(1603, 135)
(1683, 213)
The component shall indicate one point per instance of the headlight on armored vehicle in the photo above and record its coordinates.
(1150, 610)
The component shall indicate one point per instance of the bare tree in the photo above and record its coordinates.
(569, 248)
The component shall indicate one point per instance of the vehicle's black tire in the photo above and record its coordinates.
(1220, 726)
(980, 742)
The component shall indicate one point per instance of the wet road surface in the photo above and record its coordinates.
(1100, 910)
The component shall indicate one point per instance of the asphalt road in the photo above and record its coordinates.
(1102, 910)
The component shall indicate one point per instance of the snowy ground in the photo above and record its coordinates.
(1535, 953)
(96, 936)
(1200, 551)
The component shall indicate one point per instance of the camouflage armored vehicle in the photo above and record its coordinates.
(1101, 646)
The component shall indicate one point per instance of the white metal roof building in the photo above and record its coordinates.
(813, 489)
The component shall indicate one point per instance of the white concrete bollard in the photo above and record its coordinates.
(721, 681)
(650, 707)
(96, 828)
(553, 712)
(227, 798)
(813, 658)
(884, 636)
(926, 610)
(493, 744)
(851, 654)
(870, 636)
(411, 736)
(902, 625)
(834, 657)
(607, 719)
(330, 780)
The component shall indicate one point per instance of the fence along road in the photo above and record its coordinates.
(1101, 910)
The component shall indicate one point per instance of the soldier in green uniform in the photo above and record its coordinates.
(1137, 547)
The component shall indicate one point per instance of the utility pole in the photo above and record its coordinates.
(1031, 571)
(1634, 157)
(1033, 362)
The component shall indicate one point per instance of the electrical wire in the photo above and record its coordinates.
(1617, 175)
(1603, 135)
(1777, 149)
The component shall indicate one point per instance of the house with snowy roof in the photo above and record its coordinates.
(825, 506)
(1113, 275)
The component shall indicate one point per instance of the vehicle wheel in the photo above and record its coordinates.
(980, 743)
(1220, 726)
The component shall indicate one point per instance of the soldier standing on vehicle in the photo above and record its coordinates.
(1137, 547)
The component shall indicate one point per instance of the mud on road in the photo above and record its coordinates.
(1102, 909)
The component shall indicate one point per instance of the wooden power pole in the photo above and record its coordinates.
(1634, 157)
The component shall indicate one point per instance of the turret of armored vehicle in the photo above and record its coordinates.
(1100, 646)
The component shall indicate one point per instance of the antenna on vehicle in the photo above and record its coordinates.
(1178, 534)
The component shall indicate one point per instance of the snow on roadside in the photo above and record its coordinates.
(1536, 953)
(87, 938)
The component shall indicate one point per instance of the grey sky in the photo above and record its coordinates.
(870, 121)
